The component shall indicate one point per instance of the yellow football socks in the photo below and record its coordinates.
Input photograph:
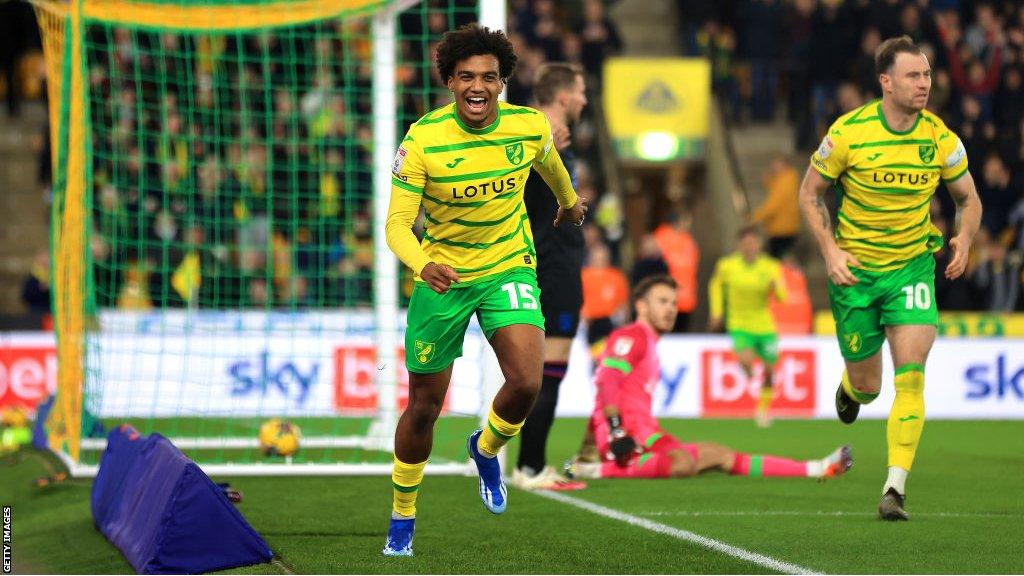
(767, 394)
(496, 434)
(406, 479)
(906, 419)
(857, 396)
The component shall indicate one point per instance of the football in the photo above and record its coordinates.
(279, 438)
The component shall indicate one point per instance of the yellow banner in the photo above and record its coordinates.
(657, 108)
(953, 324)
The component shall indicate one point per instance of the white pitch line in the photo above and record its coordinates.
(686, 535)
(825, 513)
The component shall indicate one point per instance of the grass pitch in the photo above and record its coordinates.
(965, 497)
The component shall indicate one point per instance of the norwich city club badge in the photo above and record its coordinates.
(424, 351)
(853, 342)
(514, 153)
(926, 152)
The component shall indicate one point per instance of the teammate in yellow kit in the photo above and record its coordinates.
(466, 164)
(888, 157)
(742, 285)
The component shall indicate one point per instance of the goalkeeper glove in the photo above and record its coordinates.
(622, 446)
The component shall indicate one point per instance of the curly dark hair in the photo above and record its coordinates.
(474, 40)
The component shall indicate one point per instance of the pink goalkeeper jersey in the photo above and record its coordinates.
(627, 374)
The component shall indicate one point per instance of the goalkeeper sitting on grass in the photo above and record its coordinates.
(624, 439)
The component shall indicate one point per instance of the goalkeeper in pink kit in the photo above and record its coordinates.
(624, 439)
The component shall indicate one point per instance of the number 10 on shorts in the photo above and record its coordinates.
(520, 296)
(918, 296)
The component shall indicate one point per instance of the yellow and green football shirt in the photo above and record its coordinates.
(470, 183)
(887, 180)
(744, 289)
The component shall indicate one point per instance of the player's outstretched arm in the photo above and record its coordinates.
(968, 220)
(815, 213)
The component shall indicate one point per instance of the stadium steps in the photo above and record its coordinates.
(25, 229)
(755, 144)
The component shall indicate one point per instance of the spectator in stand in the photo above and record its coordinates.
(649, 260)
(16, 25)
(1009, 102)
(35, 291)
(599, 36)
(942, 92)
(694, 15)
(760, 22)
(848, 97)
(134, 294)
(1016, 226)
(605, 295)
(718, 45)
(682, 256)
(921, 30)
(985, 32)
(885, 15)
(863, 67)
(970, 76)
(999, 193)
(829, 47)
(797, 52)
(997, 279)
(795, 315)
(779, 215)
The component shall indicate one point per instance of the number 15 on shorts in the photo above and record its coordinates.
(520, 296)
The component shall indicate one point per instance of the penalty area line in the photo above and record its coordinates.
(679, 534)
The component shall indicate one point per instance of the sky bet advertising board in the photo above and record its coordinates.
(326, 364)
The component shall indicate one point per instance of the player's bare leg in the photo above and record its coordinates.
(520, 349)
(910, 347)
(414, 438)
(860, 384)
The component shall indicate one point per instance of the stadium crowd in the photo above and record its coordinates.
(815, 60)
(268, 202)
(282, 216)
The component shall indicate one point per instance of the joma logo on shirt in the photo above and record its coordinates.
(900, 178)
(494, 187)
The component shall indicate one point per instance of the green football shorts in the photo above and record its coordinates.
(765, 346)
(437, 322)
(897, 297)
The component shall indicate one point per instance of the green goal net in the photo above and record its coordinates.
(221, 184)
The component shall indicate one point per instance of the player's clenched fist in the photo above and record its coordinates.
(576, 214)
(439, 276)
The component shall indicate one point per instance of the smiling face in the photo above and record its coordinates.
(476, 83)
(908, 82)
